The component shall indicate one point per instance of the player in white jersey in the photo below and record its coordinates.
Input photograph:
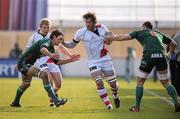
(99, 61)
(45, 63)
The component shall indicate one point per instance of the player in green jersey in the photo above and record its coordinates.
(28, 70)
(153, 56)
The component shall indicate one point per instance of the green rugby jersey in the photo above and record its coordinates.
(33, 52)
(152, 42)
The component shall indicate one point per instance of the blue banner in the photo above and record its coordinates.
(8, 68)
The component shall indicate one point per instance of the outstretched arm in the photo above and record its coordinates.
(64, 50)
(71, 59)
(70, 44)
(44, 51)
(121, 37)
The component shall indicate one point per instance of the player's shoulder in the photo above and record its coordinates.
(36, 36)
(100, 25)
(81, 30)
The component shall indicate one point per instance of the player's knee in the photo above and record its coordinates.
(43, 75)
(56, 88)
(112, 81)
(25, 85)
(163, 76)
(57, 85)
(165, 83)
(99, 82)
(140, 81)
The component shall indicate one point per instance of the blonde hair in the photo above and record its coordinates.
(45, 21)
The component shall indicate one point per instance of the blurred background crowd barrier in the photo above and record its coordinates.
(19, 19)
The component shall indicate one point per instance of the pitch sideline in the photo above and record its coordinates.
(157, 95)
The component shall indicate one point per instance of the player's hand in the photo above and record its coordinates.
(55, 56)
(107, 40)
(75, 57)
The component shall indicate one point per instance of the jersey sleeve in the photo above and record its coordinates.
(133, 34)
(166, 40)
(30, 41)
(78, 36)
(45, 44)
(104, 27)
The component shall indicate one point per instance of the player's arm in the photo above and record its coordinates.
(70, 44)
(121, 37)
(172, 46)
(71, 59)
(170, 42)
(64, 50)
(44, 51)
(77, 37)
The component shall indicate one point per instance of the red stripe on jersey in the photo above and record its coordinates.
(104, 95)
(104, 51)
(107, 103)
(98, 26)
(49, 60)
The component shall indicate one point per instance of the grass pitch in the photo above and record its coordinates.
(83, 101)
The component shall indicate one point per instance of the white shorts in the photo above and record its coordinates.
(106, 65)
(42, 63)
(142, 74)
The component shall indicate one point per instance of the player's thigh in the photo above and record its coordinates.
(57, 78)
(55, 73)
(161, 64)
(41, 63)
(33, 71)
(162, 69)
(53, 68)
(146, 66)
(107, 68)
(95, 72)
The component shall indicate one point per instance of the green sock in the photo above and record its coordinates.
(172, 92)
(19, 93)
(50, 92)
(139, 94)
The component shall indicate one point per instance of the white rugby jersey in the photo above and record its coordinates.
(94, 44)
(36, 37)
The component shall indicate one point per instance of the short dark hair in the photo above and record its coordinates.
(147, 24)
(56, 33)
(90, 15)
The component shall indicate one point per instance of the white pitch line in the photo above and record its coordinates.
(162, 98)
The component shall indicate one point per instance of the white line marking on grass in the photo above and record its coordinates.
(162, 98)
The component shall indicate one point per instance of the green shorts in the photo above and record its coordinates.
(23, 67)
(147, 64)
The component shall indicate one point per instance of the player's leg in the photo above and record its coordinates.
(56, 78)
(163, 77)
(26, 81)
(145, 68)
(42, 64)
(97, 76)
(109, 73)
(34, 71)
(139, 92)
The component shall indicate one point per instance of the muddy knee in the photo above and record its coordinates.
(25, 85)
(43, 75)
(99, 83)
